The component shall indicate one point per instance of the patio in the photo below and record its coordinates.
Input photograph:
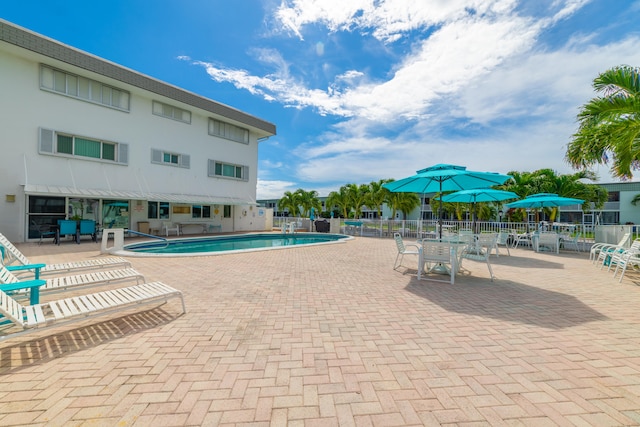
(332, 335)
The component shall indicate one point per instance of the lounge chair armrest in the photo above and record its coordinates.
(27, 284)
(25, 267)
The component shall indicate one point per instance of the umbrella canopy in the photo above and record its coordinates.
(443, 177)
(544, 200)
(478, 195)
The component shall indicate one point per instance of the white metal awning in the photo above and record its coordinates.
(202, 199)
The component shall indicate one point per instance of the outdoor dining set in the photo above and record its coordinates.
(444, 251)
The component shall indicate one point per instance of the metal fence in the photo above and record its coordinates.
(419, 228)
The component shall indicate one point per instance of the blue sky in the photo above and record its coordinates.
(362, 90)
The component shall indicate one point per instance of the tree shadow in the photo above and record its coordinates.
(507, 301)
(40, 350)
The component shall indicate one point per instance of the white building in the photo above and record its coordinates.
(83, 137)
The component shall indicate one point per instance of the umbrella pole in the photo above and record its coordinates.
(440, 213)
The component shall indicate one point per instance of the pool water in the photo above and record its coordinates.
(233, 243)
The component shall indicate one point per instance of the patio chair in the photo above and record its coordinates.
(487, 242)
(597, 248)
(44, 232)
(9, 281)
(503, 240)
(478, 255)
(625, 260)
(567, 241)
(36, 317)
(437, 258)
(168, 227)
(524, 238)
(403, 250)
(610, 256)
(13, 255)
(548, 240)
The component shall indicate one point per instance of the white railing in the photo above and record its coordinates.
(418, 228)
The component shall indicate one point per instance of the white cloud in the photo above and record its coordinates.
(273, 189)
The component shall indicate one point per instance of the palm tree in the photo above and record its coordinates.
(403, 202)
(377, 195)
(291, 202)
(341, 200)
(358, 195)
(609, 125)
(308, 200)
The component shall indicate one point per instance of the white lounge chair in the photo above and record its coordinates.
(403, 250)
(9, 281)
(56, 313)
(13, 255)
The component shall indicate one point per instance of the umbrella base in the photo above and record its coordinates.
(440, 269)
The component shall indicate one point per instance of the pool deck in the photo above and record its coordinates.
(332, 336)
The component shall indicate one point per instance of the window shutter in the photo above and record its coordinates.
(211, 168)
(46, 141)
(245, 173)
(123, 154)
(185, 161)
(156, 156)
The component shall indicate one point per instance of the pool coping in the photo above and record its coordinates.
(127, 253)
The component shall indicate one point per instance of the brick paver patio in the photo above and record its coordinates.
(332, 335)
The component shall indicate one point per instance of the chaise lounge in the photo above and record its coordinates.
(12, 254)
(55, 313)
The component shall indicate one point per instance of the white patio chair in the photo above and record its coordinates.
(487, 242)
(481, 255)
(549, 240)
(403, 250)
(437, 258)
(609, 257)
(168, 227)
(524, 238)
(569, 241)
(503, 240)
(625, 260)
(597, 248)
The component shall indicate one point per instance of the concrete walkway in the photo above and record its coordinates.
(333, 336)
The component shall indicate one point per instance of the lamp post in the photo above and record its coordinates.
(500, 217)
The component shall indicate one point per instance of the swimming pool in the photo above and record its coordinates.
(229, 244)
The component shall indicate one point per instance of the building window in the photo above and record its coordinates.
(63, 144)
(171, 112)
(158, 210)
(228, 131)
(198, 211)
(227, 211)
(64, 83)
(227, 170)
(162, 157)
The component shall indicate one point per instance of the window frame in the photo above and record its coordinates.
(161, 109)
(52, 143)
(158, 157)
(64, 83)
(228, 131)
(215, 165)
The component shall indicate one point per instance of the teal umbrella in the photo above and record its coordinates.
(544, 200)
(478, 195)
(443, 177)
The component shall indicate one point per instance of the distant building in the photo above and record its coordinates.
(83, 137)
(617, 210)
